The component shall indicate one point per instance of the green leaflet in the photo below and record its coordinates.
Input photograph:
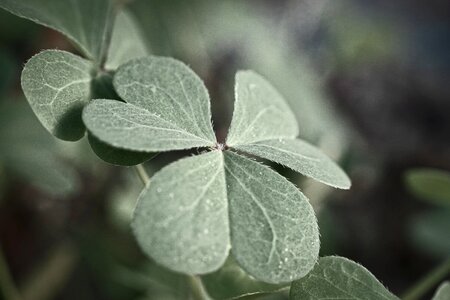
(301, 157)
(57, 86)
(260, 112)
(167, 108)
(87, 23)
(443, 292)
(127, 42)
(336, 277)
(430, 184)
(231, 282)
(181, 219)
(130, 127)
(274, 231)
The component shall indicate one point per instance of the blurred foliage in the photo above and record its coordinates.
(430, 185)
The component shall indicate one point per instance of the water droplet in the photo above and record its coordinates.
(158, 190)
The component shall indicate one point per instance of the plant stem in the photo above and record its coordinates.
(140, 170)
(197, 290)
(428, 281)
(9, 290)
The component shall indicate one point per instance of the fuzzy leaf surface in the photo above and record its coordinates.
(57, 86)
(443, 292)
(87, 23)
(167, 108)
(260, 112)
(274, 232)
(339, 278)
(127, 41)
(181, 219)
(130, 127)
(301, 157)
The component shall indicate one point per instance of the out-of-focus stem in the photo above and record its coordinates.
(7, 286)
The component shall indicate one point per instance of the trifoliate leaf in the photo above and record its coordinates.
(274, 233)
(231, 282)
(87, 23)
(301, 157)
(117, 156)
(127, 42)
(429, 184)
(443, 292)
(260, 112)
(167, 108)
(57, 86)
(339, 278)
(181, 219)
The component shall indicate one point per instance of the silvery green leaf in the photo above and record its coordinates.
(181, 219)
(274, 233)
(170, 89)
(87, 23)
(130, 127)
(57, 86)
(443, 292)
(127, 42)
(301, 157)
(260, 112)
(336, 277)
(117, 156)
(231, 282)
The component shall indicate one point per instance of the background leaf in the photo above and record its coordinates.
(127, 41)
(274, 231)
(181, 219)
(230, 281)
(57, 86)
(429, 184)
(336, 277)
(301, 157)
(443, 292)
(117, 156)
(29, 152)
(87, 23)
(260, 112)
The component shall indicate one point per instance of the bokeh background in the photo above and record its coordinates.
(368, 80)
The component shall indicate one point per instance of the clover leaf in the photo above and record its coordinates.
(198, 208)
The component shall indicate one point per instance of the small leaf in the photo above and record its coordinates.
(336, 277)
(274, 231)
(301, 157)
(87, 23)
(117, 156)
(429, 184)
(57, 86)
(443, 292)
(260, 112)
(127, 42)
(126, 126)
(167, 108)
(231, 282)
(181, 219)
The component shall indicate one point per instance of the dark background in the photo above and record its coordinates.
(368, 80)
